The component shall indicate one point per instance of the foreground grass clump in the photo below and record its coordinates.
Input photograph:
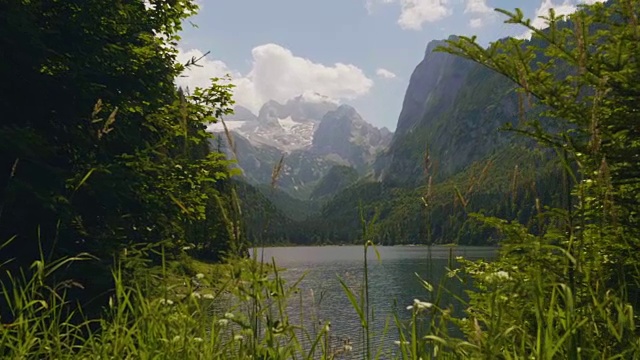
(239, 314)
(132, 326)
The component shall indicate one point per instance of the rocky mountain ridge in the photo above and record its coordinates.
(313, 134)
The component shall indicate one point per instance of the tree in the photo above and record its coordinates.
(98, 149)
(587, 85)
(572, 283)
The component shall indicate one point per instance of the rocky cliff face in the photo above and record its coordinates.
(300, 171)
(344, 133)
(288, 126)
(454, 108)
(433, 85)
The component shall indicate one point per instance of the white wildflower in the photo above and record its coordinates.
(166, 302)
(198, 339)
(208, 296)
(229, 316)
(238, 337)
(398, 342)
(419, 305)
(196, 295)
(223, 322)
(327, 327)
(199, 276)
(498, 276)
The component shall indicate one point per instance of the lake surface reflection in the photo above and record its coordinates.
(393, 284)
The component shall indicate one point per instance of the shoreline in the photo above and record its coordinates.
(360, 245)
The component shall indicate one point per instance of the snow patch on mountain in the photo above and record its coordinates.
(287, 127)
(287, 124)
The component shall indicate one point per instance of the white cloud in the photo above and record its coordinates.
(198, 75)
(478, 7)
(543, 11)
(386, 74)
(277, 74)
(416, 12)
(481, 12)
(476, 23)
(369, 4)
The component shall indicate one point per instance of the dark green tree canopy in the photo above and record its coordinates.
(98, 148)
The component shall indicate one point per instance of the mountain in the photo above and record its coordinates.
(454, 108)
(448, 158)
(337, 179)
(337, 166)
(300, 170)
(241, 113)
(287, 127)
(451, 119)
(310, 132)
(263, 221)
(344, 133)
(293, 208)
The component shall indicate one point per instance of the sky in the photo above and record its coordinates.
(357, 52)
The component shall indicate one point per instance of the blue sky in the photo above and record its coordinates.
(359, 52)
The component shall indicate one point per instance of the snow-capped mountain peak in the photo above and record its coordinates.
(313, 135)
(288, 126)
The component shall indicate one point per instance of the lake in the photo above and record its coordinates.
(392, 280)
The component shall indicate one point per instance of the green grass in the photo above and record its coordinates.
(514, 314)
